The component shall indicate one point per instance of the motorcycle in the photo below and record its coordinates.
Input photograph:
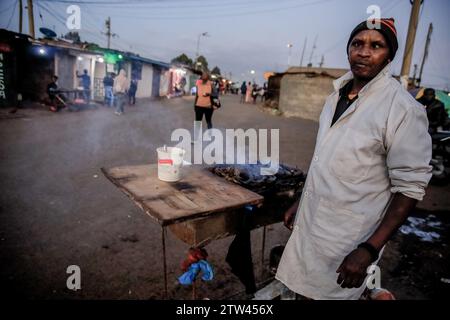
(440, 159)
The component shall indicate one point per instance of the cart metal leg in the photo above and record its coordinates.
(194, 290)
(163, 236)
(262, 252)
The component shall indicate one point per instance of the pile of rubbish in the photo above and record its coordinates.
(195, 264)
(425, 229)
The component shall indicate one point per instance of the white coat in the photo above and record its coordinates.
(379, 146)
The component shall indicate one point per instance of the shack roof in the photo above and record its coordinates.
(314, 71)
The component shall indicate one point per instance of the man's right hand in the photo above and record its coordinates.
(289, 215)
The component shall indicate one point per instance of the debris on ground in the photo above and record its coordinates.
(426, 229)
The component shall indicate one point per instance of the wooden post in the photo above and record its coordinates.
(409, 46)
(31, 18)
(20, 15)
(425, 53)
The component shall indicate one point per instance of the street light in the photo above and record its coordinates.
(204, 34)
(252, 72)
(289, 45)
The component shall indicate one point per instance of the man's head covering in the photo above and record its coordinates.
(386, 28)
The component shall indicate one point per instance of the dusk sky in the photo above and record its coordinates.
(245, 34)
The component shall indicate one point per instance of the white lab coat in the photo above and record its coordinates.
(378, 147)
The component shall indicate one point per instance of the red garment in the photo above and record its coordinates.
(194, 255)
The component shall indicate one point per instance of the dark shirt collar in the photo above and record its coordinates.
(345, 90)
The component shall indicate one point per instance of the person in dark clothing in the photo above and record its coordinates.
(56, 98)
(255, 92)
(436, 113)
(264, 92)
(86, 83)
(108, 83)
(132, 92)
(239, 256)
(243, 92)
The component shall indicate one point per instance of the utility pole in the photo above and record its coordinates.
(409, 46)
(303, 51)
(425, 53)
(108, 31)
(31, 18)
(312, 51)
(321, 61)
(20, 15)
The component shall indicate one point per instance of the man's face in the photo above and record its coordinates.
(368, 54)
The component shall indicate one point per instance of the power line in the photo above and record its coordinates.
(39, 10)
(12, 15)
(8, 7)
(222, 15)
(171, 5)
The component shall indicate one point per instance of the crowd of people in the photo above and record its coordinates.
(250, 92)
(118, 90)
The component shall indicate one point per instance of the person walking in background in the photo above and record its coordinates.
(263, 92)
(243, 92)
(108, 83)
(203, 104)
(121, 86)
(132, 92)
(255, 92)
(86, 83)
(248, 94)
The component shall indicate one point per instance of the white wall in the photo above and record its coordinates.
(144, 87)
(164, 83)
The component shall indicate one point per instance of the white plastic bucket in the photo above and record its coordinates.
(170, 161)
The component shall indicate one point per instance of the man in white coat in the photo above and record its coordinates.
(369, 169)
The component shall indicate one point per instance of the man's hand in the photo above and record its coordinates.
(289, 219)
(353, 270)
(289, 215)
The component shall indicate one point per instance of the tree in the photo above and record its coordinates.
(203, 63)
(182, 59)
(215, 70)
(74, 36)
